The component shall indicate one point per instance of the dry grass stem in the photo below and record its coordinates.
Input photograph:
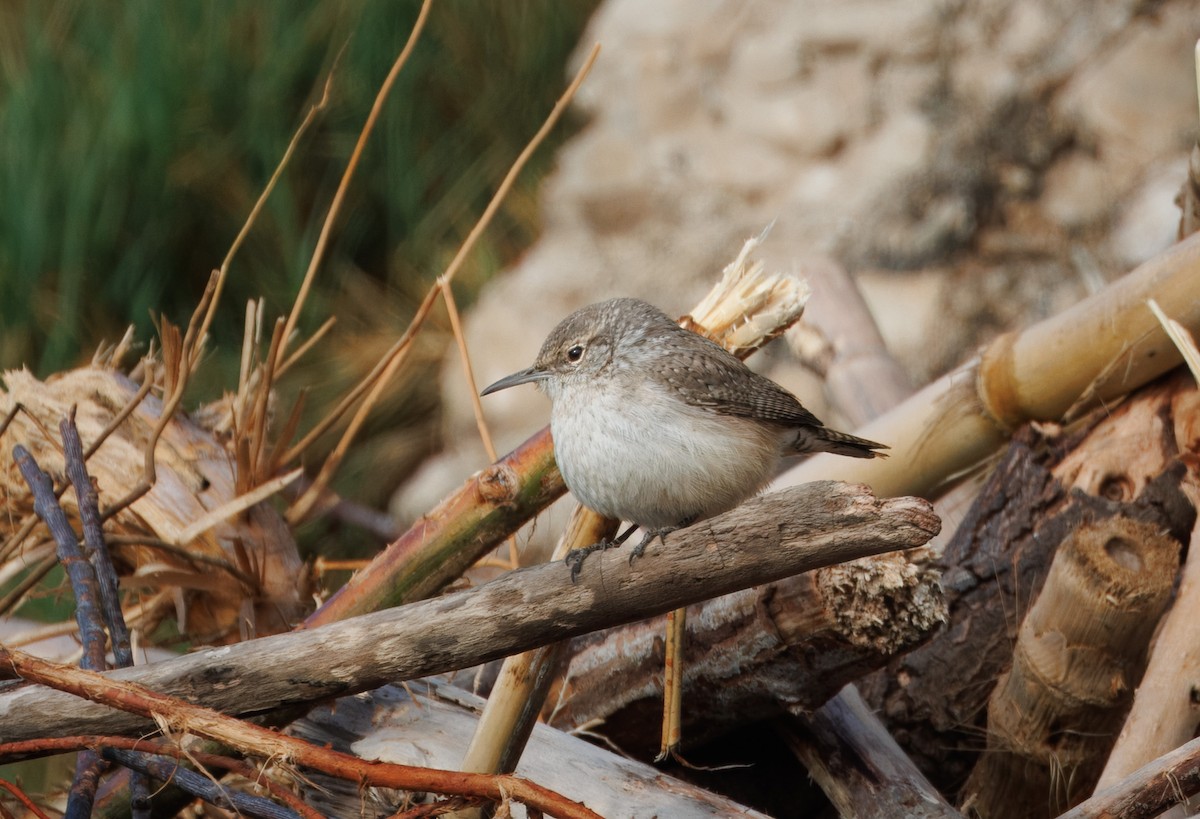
(236, 506)
(1181, 338)
(305, 346)
(327, 228)
(395, 356)
(485, 435)
(464, 356)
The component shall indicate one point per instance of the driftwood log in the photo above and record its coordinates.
(768, 538)
(1123, 463)
(430, 722)
(858, 764)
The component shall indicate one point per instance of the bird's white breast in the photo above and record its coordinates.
(642, 455)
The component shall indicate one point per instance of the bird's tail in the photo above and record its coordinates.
(823, 439)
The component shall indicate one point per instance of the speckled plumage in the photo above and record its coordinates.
(657, 425)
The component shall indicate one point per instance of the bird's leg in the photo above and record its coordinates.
(575, 557)
(661, 534)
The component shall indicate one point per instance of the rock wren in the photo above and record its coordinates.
(656, 425)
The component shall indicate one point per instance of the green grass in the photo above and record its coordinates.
(135, 136)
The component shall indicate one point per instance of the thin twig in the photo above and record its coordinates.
(204, 787)
(23, 799)
(178, 715)
(485, 434)
(87, 500)
(88, 766)
(187, 554)
(34, 576)
(93, 538)
(77, 567)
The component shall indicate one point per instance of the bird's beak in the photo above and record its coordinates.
(522, 377)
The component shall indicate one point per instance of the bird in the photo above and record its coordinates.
(658, 426)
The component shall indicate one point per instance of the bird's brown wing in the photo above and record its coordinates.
(704, 374)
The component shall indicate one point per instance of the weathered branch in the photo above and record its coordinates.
(868, 777)
(1153, 788)
(789, 645)
(768, 538)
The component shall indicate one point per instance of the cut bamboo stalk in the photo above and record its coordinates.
(1102, 348)
(1080, 653)
(1165, 712)
(672, 726)
(1122, 462)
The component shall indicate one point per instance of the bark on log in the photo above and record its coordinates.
(868, 777)
(431, 724)
(750, 655)
(1080, 653)
(768, 538)
(1127, 464)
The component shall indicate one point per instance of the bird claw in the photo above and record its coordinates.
(648, 538)
(575, 557)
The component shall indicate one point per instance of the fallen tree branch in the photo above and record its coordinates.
(867, 776)
(1153, 788)
(181, 717)
(429, 722)
(763, 540)
(756, 654)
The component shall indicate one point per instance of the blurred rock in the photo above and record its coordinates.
(986, 149)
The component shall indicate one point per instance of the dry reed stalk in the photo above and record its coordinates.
(1096, 351)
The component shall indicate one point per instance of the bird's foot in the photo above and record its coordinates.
(647, 539)
(660, 534)
(575, 557)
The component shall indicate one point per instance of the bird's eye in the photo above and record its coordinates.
(575, 353)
